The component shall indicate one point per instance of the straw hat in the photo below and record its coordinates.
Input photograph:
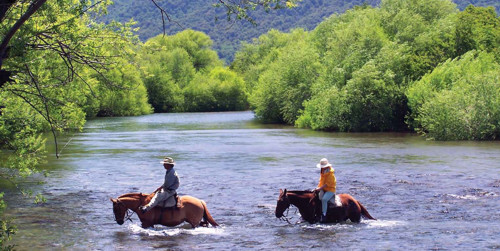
(168, 160)
(323, 163)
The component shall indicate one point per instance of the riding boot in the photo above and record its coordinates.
(323, 219)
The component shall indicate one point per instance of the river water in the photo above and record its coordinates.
(426, 195)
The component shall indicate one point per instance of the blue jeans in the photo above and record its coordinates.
(324, 200)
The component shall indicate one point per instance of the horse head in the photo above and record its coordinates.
(283, 204)
(119, 209)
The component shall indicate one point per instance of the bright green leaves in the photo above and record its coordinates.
(347, 42)
(20, 129)
(285, 83)
(119, 90)
(459, 99)
(367, 57)
(478, 29)
(6, 229)
(64, 67)
(183, 73)
(219, 90)
(428, 10)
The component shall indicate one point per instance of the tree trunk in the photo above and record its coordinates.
(35, 5)
(4, 7)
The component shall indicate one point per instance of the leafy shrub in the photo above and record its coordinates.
(219, 90)
(459, 99)
(286, 83)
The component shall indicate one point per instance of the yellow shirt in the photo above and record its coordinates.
(329, 179)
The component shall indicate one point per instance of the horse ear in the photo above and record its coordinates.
(284, 191)
(281, 191)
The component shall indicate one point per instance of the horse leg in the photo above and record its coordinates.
(196, 220)
(146, 224)
(355, 217)
(354, 212)
(204, 223)
(193, 224)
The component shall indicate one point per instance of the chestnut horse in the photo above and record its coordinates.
(190, 209)
(309, 207)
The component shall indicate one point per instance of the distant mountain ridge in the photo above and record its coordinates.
(227, 36)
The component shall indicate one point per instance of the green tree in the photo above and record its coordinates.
(347, 42)
(230, 91)
(370, 101)
(459, 99)
(169, 64)
(428, 11)
(219, 90)
(163, 93)
(47, 52)
(253, 58)
(6, 229)
(286, 83)
(128, 99)
(363, 86)
(478, 28)
(56, 70)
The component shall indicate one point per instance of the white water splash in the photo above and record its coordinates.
(383, 223)
(349, 225)
(332, 226)
(473, 197)
(164, 231)
(464, 197)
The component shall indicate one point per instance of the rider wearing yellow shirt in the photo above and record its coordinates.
(327, 185)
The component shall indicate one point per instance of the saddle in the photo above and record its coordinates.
(171, 203)
(334, 202)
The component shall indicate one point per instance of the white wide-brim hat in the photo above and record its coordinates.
(168, 160)
(323, 163)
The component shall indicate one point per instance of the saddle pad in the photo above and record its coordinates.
(335, 201)
(170, 202)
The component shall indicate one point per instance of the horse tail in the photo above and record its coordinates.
(364, 212)
(207, 216)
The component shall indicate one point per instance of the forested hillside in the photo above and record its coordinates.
(200, 15)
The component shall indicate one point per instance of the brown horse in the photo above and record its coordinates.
(309, 207)
(190, 209)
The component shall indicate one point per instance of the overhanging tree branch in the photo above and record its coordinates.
(163, 15)
(5, 41)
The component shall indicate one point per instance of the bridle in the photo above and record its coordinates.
(128, 214)
(283, 216)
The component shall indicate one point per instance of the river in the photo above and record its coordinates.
(425, 194)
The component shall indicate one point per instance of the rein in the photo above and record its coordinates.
(285, 214)
(285, 217)
(128, 214)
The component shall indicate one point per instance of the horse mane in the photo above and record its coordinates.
(132, 195)
(299, 191)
